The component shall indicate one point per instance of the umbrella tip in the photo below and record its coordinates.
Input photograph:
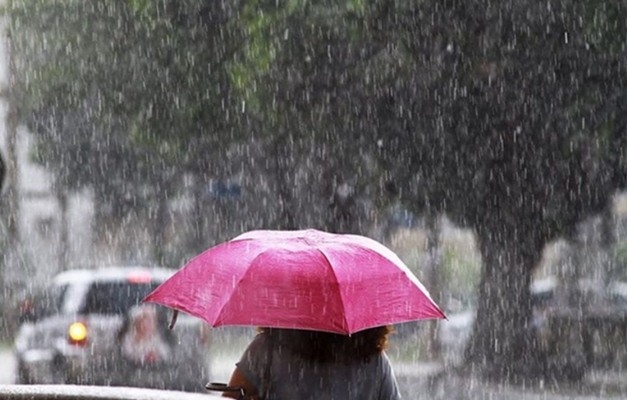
(175, 314)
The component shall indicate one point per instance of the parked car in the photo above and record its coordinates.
(76, 329)
(603, 322)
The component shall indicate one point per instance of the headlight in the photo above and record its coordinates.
(77, 333)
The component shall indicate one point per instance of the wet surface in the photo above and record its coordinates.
(416, 379)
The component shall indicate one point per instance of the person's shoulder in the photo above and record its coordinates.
(383, 361)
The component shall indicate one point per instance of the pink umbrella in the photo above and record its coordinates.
(298, 279)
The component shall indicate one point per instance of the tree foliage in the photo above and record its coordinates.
(298, 78)
(507, 117)
(126, 97)
(513, 126)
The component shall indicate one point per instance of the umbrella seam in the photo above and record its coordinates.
(337, 281)
(408, 274)
(228, 299)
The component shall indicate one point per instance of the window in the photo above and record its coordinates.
(42, 304)
(115, 297)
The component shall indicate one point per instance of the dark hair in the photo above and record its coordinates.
(331, 347)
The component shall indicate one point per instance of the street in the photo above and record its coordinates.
(8, 365)
(413, 380)
(221, 368)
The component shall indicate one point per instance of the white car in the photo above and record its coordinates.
(78, 328)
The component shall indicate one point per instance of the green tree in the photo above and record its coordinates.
(509, 118)
(126, 96)
(298, 74)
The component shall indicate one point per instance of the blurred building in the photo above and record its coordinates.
(40, 220)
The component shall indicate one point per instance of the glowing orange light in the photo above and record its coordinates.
(139, 277)
(77, 333)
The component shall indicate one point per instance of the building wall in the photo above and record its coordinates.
(40, 220)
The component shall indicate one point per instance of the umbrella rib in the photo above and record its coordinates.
(406, 272)
(338, 284)
(218, 319)
(241, 278)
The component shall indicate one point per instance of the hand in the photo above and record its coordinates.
(239, 380)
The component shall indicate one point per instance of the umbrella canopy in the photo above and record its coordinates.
(305, 279)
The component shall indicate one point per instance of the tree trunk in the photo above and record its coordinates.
(570, 347)
(501, 345)
(64, 241)
(12, 193)
(160, 222)
(434, 262)
(13, 241)
(343, 214)
(607, 241)
(198, 241)
(283, 170)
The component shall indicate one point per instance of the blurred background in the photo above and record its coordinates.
(485, 143)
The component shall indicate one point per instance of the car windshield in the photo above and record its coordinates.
(54, 300)
(115, 297)
(43, 303)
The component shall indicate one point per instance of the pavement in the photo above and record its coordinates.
(435, 381)
(424, 380)
(7, 365)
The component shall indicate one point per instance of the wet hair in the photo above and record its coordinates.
(326, 347)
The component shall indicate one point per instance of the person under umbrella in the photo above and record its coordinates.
(325, 301)
(301, 364)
